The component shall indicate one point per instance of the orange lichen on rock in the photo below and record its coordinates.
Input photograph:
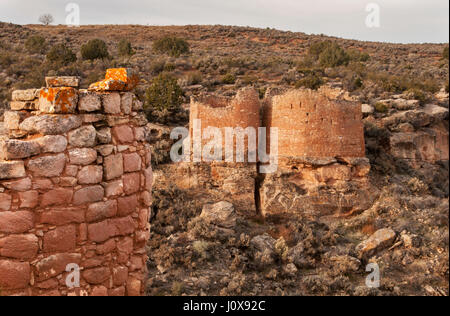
(117, 79)
(58, 100)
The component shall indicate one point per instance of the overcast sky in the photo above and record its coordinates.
(402, 21)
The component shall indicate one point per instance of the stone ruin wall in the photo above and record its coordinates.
(241, 111)
(235, 181)
(322, 165)
(312, 125)
(75, 188)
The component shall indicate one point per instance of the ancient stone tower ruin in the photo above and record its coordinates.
(75, 190)
(322, 169)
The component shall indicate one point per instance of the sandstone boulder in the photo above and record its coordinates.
(382, 239)
(50, 124)
(221, 214)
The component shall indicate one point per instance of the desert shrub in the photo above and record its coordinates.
(157, 66)
(194, 78)
(172, 46)
(312, 81)
(164, 93)
(94, 49)
(317, 48)
(6, 59)
(124, 48)
(229, 79)
(334, 56)
(445, 53)
(418, 94)
(353, 82)
(169, 67)
(381, 107)
(35, 44)
(177, 288)
(356, 55)
(61, 55)
(249, 79)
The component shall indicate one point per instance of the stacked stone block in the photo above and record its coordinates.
(75, 188)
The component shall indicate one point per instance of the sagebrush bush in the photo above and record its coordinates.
(311, 81)
(164, 93)
(172, 46)
(317, 48)
(229, 79)
(334, 56)
(381, 107)
(124, 48)
(35, 44)
(94, 49)
(61, 55)
(194, 78)
(445, 53)
(356, 55)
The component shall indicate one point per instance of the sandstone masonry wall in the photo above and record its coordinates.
(75, 188)
(310, 124)
(322, 167)
(241, 111)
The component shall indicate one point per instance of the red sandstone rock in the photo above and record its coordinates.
(11, 169)
(120, 275)
(16, 222)
(21, 185)
(111, 103)
(100, 211)
(114, 188)
(134, 287)
(54, 265)
(89, 102)
(131, 182)
(127, 102)
(14, 275)
(90, 175)
(82, 156)
(29, 199)
(62, 216)
(61, 239)
(113, 167)
(47, 166)
(50, 124)
(106, 248)
(5, 202)
(58, 196)
(97, 275)
(84, 136)
(18, 149)
(19, 246)
(132, 162)
(127, 205)
(88, 195)
(120, 291)
(123, 134)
